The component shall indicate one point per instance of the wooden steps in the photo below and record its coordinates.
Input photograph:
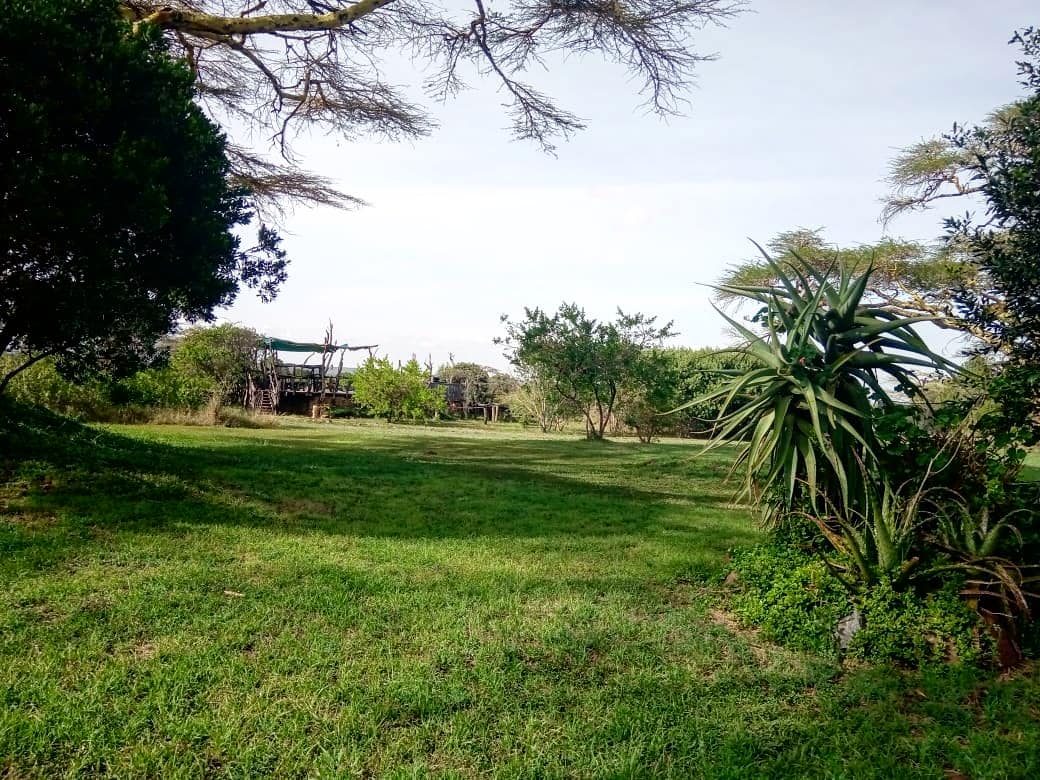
(265, 402)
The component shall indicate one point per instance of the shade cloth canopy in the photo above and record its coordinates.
(284, 345)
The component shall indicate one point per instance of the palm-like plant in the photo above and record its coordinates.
(804, 410)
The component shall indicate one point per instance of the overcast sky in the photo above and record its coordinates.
(793, 126)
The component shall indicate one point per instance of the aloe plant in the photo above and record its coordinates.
(804, 410)
(877, 544)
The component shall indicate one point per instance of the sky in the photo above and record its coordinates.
(793, 126)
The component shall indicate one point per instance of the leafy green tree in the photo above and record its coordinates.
(1005, 245)
(397, 393)
(220, 356)
(696, 373)
(117, 219)
(376, 387)
(589, 361)
(651, 389)
(996, 164)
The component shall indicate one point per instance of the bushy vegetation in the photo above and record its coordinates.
(882, 509)
(104, 399)
(401, 393)
(204, 369)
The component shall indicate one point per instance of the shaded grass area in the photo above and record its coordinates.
(367, 600)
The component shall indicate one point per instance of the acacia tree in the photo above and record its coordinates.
(285, 65)
(981, 277)
(1005, 245)
(587, 360)
(116, 214)
(908, 278)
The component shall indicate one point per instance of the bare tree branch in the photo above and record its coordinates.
(284, 66)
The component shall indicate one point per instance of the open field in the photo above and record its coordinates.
(367, 600)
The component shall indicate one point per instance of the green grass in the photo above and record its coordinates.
(1031, 470)
(365, 600)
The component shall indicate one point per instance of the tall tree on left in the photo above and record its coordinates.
(116, 212)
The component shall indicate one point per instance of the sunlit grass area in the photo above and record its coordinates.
(1032, 467)
(393, 601)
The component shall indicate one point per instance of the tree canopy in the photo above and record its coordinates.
(909, 278)
(117, 214)
(221, 357)
(281, 66)
(588, 360)
(1005, 242)
(396, 393)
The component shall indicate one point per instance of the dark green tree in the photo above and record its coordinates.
(116, 215)
(1005, 243)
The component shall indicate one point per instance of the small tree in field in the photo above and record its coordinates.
(397, 393)
(588, 361)
(536, 401)
(652, 389)
(220, 356)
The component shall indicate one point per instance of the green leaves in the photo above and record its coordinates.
(804, 410)
(588, 361)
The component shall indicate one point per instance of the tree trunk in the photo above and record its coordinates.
(12, 374)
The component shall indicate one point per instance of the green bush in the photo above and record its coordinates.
(795, 600)
(130, 399)
(791, 596)
(397, 393)
(163, 388)
(41, 385)
(912, 629)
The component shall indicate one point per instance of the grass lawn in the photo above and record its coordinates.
(1031, 470)
(365, 600)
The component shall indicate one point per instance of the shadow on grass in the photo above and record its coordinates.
(62, 478)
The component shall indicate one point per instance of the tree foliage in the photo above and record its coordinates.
(1005, 245)
(995, 164)
(282, 66)
(220, 356)
(396, 393)
(480, 384)
(908, 278)
(589, 361)
(117, 217)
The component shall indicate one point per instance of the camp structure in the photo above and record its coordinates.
(311, 387)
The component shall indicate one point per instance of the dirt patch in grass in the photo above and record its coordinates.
(751, 637)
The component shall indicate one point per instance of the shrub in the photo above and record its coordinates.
(913, 629)
(41, 385)
(790, 595)
(397, 393)
(795, 600)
